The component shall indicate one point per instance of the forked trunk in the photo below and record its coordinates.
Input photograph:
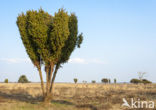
(47, 98)
(49, 71)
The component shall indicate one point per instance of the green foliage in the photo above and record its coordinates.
(104, 80)
(59, 33)
(75, 80)
(73, 40)
(79, 40)
(23, 79)
(145, 81)
(135, 81)
(31, 50)
(6, 81)
(43, 35)
(93, 81)
(115, 81)
(49, 38)
(37, 29)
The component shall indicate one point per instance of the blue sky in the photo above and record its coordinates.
(119, 40)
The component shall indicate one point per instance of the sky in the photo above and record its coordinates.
(119, 40)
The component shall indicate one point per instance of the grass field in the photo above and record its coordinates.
(15, 96)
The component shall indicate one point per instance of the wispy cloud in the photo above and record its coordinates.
(15, 60)
(97, 61)
(72, 60)
(77, 60)
(86, 61)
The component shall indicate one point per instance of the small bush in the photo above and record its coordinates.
(6, 81)
(109, 81)
(93, 81)
(23, 79)
(145, 81)
(75, 80)
(104, 80)
(84, 81)
(135, 81)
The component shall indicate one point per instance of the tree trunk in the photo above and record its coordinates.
(47, 75)
(49, 72)
(42, 83)
(53, 78)
(50, 76)
(47, 98)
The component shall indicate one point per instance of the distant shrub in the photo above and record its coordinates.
(145, 81)
(115, 81)
(84, 81)
(104, 80)
(109, 81)
(75, 80)
(23, 79)
(6, 81)
(93, 81)
(135, 81)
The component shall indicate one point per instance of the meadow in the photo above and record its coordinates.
(68, 96)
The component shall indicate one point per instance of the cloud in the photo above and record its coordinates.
(97, 61)
(72, 60)
(86, 61)
(77, 60)
(15, 60)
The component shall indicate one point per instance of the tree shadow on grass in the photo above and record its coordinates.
(25, 97)
(22, 97)
(62, 102)
(78, 106)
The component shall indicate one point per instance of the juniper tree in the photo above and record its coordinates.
(115, 81)
(49, 41)
(6, 81)
(75, 80)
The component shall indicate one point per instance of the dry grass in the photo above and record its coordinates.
(14, 96)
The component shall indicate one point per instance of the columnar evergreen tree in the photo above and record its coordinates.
(115, 81)
(75, 80)
(6, 81)
(49, 41)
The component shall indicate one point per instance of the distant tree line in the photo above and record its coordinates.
(108, 81)
(103, 80)
(24, 79)
(134, 81)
